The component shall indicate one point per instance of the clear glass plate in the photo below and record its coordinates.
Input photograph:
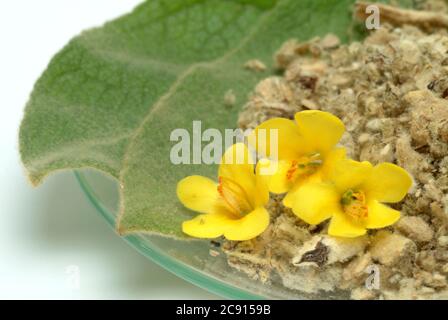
(189, 260)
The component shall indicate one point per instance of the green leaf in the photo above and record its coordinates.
(110, 99)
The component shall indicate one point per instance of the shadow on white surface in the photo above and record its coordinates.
(57, 240)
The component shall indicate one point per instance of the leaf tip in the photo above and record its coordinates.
(119, 228)
(34, 179)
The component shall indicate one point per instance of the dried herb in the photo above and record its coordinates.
(319, 255)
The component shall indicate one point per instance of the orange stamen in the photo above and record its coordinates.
(292, 170)
(234, 197)
(354, 204)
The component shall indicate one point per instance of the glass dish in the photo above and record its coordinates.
(189, 260)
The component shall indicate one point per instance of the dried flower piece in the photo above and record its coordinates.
(399, 16)
(255, 65)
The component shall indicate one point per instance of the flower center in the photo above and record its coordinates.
(354, 204)
(233, 197)
(304, 166)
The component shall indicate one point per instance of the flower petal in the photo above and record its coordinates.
(322, 129)
(388, 183)
(380, 216)
(331, 159)
(261, 183)
(237, 165)
(249, 226)
(198, 193)
(290, 143)
(289, 199)
(349, 174)
(210, 225)
(278, 182)
(342, 226)
(315, 202)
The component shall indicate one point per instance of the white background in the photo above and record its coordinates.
(45, 230)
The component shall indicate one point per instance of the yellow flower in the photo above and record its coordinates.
(353, 197)
(306, 149)
(233, 206)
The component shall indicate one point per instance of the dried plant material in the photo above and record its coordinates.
(356, 269)
(255, 65)
(389, 91)
(363, 294)
(330, 41)
(288, 52)
(213, 253)
(438, 212)
(443, 241)
(326, 250)
(272, 98)
(314, 47)
(392, 250)
(398, 16)
(445, 269)
(309, 279)
(249, 258)
(317, 256)
(432, 5)
(229, 98)
(429, 118)
(415, 228)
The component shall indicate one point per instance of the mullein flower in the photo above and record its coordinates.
(306, 150)
(353, 197)
(233, 207)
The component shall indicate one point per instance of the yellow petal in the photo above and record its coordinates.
(288, 200)
(388, 183)
(289, 144)
(349, 174)
(238, 166)
(315, 202)
(248, 227)
(261, 183)
(210, 225)
(342, 226)
(321, 129)
(290, 197)
(380, 216)
(279, 182)
(331, 159)
(198, 193)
